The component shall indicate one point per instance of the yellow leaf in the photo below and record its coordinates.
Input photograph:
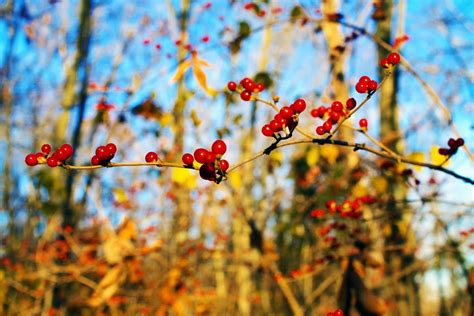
(184, 177)
(202, 80)
(182, 68)
(418, 157)
(127, 230)
(276, 156)
(330, 153)
(195, 118)
(379, 184)
(235, 179)
(359, 190)
(312, 157)
(201, 62)
(436, 158)
(166, 119)
(120, 196)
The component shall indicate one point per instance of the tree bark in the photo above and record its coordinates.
(406, 289)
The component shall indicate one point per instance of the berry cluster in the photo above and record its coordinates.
(348, 208)
(366, 85)
(103, 154)
(286, 118)
(213, 167)
(337, 312)
(391, 60)
(332, 114)
(453, 144)
(248, 86)
(57, 158)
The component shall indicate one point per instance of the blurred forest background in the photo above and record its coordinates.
(162, 241)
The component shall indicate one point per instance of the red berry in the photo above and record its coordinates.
(321, 111)
(31, 160)
(243, 81)
(67, 151)
(338, 312)
(95, 161)
(384, 62)
(281, 121)
(364, 79)
(372, 86)
(266, 130)
(331, 206)
(207, 172)
(277, 117)
(451, 142)
(299, 105)
(286, 112)
(219, 147)
(224, 164)
(260, 87)
(327, 126)
(231, 85)
(330, 314)
(363, 123)
(320, 130)
(335, 116)
(443, 151)
(361, 87)
(248, 6)
(275, 126)
(393, 58)
(351, 103)
(46, 148)
(249, 86)
(337, 106)
(60, 154)
(245, 95)
(187, 159)
(151, 157)
(314, 113)
(52, 162)
(290, 123)
(102, 153)
(459, 142)
(200, 155)
(211, 157)
(111, 148)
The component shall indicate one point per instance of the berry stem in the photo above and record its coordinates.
(382, 146)
(355, 146)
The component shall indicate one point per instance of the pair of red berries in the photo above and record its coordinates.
(337, 312)
(453, 144)
(391, 60)
(286, 117)
(366, 85)
(213, 167)
(103, 154)
(249, 86)
(58, 157)
(333, 113)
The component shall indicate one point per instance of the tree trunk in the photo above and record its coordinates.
(405, 290)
